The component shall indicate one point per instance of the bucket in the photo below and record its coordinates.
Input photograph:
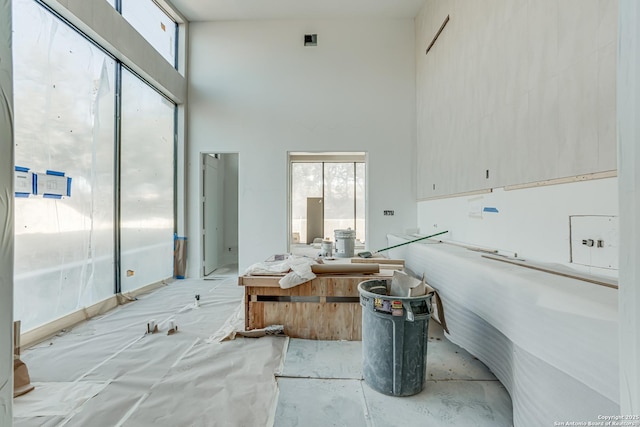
(345, 243)
(327, 248)
(394, 339)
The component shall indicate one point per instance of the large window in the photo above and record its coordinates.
(146, 184)
(154, 25)
(327, 194)
(64, 122)
(66, 225)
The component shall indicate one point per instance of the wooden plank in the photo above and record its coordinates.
(273, 281)
(345, 268)
(256, 316)
(329, 286)
(330, 321)
(259, 281)
(342, 287)
(247, 314)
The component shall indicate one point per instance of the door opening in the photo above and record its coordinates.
(219, 223)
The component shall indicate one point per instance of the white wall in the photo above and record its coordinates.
(532, 222)
(256, 90)
(6, 216)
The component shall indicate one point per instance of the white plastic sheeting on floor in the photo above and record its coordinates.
(51, 399)
(108, 372)
(321, 385)
(157, 379)
(551, 340)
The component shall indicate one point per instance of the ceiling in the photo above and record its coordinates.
(233, 10)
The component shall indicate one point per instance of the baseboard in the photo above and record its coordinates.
(146, 289)
(41, 333)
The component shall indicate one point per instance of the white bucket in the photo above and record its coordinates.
(327, 248)
(345, 243)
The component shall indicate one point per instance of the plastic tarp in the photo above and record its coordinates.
(64, 122)
(146, 186)
(108, 371)
(551, 340)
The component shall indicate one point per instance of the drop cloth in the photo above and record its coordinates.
(158, 379)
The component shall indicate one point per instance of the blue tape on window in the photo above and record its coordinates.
(34, 183)
(55, 173)
(68, 187)
(51, 196)
(20, 194)
(494, 210)
(21, 169)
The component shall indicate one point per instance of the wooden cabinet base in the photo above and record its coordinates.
(327, 308)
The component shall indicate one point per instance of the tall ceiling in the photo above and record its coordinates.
(233, 10)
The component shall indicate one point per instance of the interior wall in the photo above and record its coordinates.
(532, 223)
(6, 216)
(514, 92)
(256, 90)
(525, 91)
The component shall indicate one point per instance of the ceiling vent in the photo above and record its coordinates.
(311, 40)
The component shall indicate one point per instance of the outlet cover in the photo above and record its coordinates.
(603, 231)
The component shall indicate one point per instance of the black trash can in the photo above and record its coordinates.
(394, 339)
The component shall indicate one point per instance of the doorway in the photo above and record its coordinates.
(326, 193)
(219, 223)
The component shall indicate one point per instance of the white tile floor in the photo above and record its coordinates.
(321, 384)
(184, 380)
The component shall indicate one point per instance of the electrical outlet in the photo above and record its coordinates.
(594, 241)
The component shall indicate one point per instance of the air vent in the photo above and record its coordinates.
(311, 40)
